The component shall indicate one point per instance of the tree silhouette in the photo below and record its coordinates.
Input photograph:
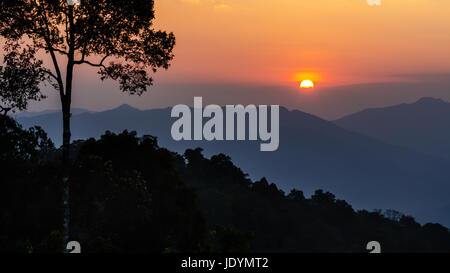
(22, 153)
(117, 37)
(127, 196)
(20, 78)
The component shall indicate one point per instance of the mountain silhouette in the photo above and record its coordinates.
(423, 125)
(125, 108)
(75, 111)
(313, 154)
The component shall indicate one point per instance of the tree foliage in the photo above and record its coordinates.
(117, 37)
(127, 192)
(30, 204)
(20, 78)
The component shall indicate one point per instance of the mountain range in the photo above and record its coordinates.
(27, 114)
(423, 125)
(313, 154)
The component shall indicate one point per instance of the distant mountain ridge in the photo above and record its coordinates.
(423, 125)
(26, 114)
(313, 154)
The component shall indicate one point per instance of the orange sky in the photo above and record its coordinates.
(272, 41)
(254, 51)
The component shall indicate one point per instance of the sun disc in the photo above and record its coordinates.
(307, 84)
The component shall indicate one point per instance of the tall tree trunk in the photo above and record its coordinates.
(66, 103)
(66, 170)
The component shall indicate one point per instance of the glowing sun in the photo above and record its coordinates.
(306, 84)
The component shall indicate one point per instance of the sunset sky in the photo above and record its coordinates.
(270, 41)
(246, 44)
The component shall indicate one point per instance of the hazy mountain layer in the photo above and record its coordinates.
(423, 125)
(313, 154)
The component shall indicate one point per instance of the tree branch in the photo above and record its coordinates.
(50, 74)
(60, 51)
(52, 54)
(5, 110)
(83, 61)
